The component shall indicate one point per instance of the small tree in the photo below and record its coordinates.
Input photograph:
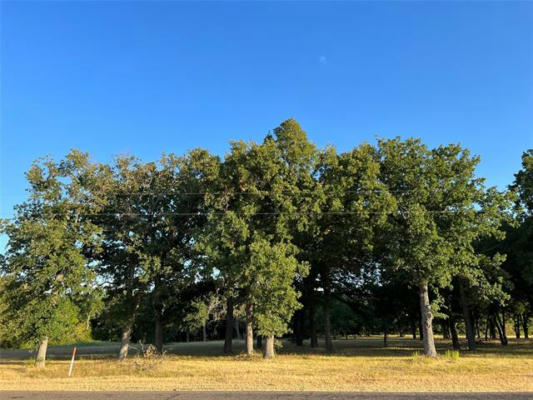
(274, 268)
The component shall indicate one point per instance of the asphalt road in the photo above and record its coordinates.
(23, 395)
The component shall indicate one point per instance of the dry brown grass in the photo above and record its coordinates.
(358, 366)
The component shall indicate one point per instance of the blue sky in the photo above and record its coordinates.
(146, 77)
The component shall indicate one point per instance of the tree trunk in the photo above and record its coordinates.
(124, 342)
(504, 326)
(158, 334)
(259, 342)
(249, 329)
(40, 361)
(453, 333)
(299, 328)
(427, 321)
(228, 340)
(525, 325)
(269, 347)
(385, 334)
(314, 337)
(500, 326)
(471, 339)
(327, 328)
(237, 328)
(445, 329)
(204, 331)
(420, 329)
(517, 326)
(413, 329)
(128, 327)
(157, 310)
(492, 327)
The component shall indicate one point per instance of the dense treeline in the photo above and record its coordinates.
(277, 237)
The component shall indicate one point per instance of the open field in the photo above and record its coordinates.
(357, 365)
(256, 395)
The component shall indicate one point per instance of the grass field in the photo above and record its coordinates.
(357, 365)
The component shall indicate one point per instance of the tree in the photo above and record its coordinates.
(518, 265)
(50, 282)
(255, 201)
(351, 222)
(8, 336)
(171, 213)
(121, 263)
(274, 297)
(443, 208)
(523, 183)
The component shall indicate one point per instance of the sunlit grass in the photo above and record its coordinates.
(360, 365)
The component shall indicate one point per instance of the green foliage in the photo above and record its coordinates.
(272, 270)
(196, 317)
(443, 210)
(7, 326)
(260, 199)
(274, 225)
(345, 321)
(49, 282)
(524, 182)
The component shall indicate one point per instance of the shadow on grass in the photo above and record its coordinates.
(360, 347)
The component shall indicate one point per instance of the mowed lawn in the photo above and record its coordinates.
(362, 364)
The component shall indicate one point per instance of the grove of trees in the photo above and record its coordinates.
(276, 238)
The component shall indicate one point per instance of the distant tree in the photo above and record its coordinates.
(517, 247)
(519, 267)
(194, 319)
(524, 183)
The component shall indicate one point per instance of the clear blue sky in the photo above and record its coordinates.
(146, 77)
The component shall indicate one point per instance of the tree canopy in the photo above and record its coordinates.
(282, 236)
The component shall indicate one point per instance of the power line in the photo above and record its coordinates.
(263, 192)
(288, 213)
